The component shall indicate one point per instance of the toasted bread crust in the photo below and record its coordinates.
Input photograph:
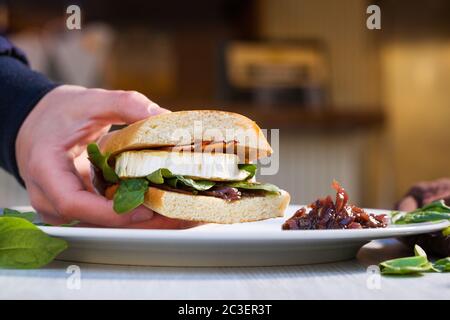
(215, 210)
(164, 130)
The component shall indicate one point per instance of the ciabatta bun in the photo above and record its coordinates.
(200, 126)
(161, 131)
(215, 210)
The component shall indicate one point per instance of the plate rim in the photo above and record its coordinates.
(106, 234)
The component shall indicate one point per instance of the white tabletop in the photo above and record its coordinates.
(342, 280)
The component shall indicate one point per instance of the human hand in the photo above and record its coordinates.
(423, 193)
(52, 161)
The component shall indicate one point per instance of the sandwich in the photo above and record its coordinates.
(190, 165)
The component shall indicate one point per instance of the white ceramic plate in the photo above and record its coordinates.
(248, 244)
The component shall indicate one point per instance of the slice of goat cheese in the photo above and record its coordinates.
(205, 166)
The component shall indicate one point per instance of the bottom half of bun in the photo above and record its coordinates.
(216, 210)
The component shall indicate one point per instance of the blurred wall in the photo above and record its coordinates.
(354, 85)
(416, 90)
(309, 162)
(341, 25)
(11, 192)
(404, 69)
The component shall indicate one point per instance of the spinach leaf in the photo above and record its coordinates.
(164, 175)
(419, 252)
(438, 206)
(199, 185)
(434, 211)
(130, 195)
(172, 182)
(25, 246)
(404, 265)
(70, 224)
(407, 269)
(446, 232)
(250, 168)
(409, 265)
(422, 216)
(100, 161)
(417, 264)
(442, 265)
(43, 224)
(271, 188)
(30, 216)
(397, 216)
(157, 177)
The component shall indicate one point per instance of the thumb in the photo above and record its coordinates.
(125, 107)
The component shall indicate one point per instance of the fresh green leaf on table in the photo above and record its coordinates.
(100, 161)
(419, 252)
(25, 246)
(434, 211)
(413, 265)
(442, 265)
(30, 215)
(408, 265)
(130, 195)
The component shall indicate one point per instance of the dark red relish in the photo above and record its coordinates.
(326, 214)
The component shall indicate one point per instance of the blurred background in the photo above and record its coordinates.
(370, 108)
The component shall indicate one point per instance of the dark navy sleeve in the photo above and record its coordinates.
(20, 90)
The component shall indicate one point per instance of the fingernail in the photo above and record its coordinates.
(155, 109)
(141, 216)
(162, 110)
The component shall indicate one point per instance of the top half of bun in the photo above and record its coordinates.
(165, 129)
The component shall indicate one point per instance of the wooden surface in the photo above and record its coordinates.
(342, 280)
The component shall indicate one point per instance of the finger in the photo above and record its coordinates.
(39, 201)
(77, 143)
(56, 221)
(51, 219)
(61, 184)
(83, 167)
(123, 106)
(407, 204)
(43, 207)
(162, 222)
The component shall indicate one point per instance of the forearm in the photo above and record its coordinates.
(20, 90)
